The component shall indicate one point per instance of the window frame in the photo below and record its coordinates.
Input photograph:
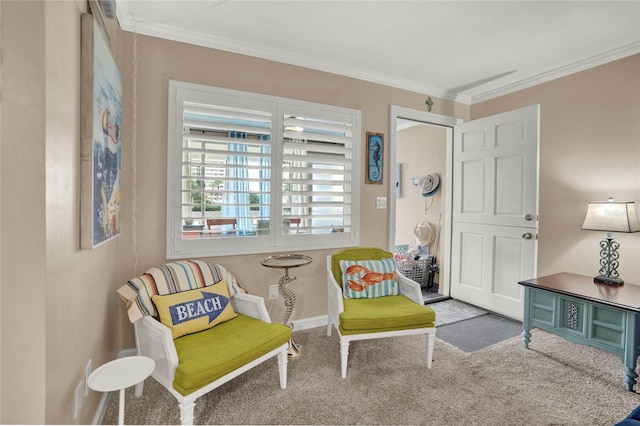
(178, 247)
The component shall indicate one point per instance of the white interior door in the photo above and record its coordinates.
(495, 209)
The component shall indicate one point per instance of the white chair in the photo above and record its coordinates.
(374, 318)
(195, 364)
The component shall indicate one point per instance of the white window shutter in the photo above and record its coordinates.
(250, 173)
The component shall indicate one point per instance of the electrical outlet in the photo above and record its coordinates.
(87, 373)
(77, 403)
(273, 292)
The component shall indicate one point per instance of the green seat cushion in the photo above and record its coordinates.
(390, 313)
(210, 354)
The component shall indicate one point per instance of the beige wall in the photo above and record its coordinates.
(23, 282)
(589, 150)
(59, 307)
(80, 283)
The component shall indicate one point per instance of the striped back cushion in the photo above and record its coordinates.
(355, 253)
(172, 278)
(369, 278)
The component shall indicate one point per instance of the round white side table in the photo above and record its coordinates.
(120, 374)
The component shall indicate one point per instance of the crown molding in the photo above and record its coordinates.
(167, 32)
(164, 31)
(585, 64)
(233, 46)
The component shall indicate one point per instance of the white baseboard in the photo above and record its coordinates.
(128, 352)
(307, 323)
(102, 409)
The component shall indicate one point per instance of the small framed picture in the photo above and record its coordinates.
(375, 148)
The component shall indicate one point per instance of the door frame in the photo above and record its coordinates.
(396, 112)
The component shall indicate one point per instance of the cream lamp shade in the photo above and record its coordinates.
(612, 216)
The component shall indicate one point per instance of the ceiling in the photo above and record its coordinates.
(467, 51)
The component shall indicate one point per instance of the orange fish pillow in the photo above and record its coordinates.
(369, 278)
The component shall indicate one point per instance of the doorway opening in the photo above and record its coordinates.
(419, 208)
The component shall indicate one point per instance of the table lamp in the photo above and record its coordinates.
(610, 216)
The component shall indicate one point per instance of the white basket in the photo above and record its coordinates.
(415, 270)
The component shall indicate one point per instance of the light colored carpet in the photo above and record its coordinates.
(553, 383)
(450, 311)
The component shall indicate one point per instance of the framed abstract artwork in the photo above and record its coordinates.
(375, 147)
(100, 145)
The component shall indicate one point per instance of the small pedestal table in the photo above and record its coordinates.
(285, 262)
(120, 374)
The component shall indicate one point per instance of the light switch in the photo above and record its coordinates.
(381, 203)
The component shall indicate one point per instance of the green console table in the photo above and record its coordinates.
(575, 308)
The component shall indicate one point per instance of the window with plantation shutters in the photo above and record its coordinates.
(250, 173)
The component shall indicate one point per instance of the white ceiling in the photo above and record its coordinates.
(468, 51)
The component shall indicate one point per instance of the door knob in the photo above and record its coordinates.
(528, 217)
(527, 235)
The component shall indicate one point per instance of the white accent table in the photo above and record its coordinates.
(120, 374)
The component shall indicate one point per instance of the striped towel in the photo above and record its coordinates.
(172, 278)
